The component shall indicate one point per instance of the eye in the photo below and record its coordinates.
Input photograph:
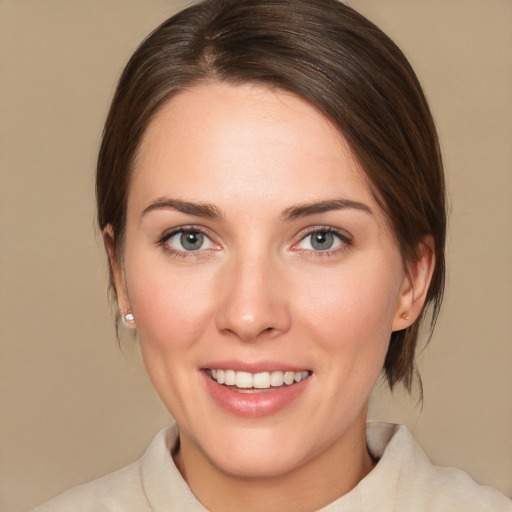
(325, 239)
(187, 240)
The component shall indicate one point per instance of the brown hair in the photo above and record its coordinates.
(334, 58)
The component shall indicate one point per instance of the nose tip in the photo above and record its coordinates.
(262, 320)
(250, 327)
(253, 306)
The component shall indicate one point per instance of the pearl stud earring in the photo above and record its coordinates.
(128, 318)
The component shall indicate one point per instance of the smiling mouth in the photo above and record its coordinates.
(246, 382)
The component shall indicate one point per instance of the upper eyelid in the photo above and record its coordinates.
(168, 233)
(331, 229)
(163, 239)
(345, 236)
(345, 240)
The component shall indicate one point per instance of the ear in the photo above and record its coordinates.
(415, 286)
(117, 278)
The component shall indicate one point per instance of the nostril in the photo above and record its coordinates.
(249, 312)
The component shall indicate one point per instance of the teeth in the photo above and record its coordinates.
(289, 378)
(230, 378)
(243, 380)
(262, 380)
(276, 378)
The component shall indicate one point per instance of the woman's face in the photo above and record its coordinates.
(256, 254)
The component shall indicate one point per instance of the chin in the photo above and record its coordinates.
(257, 466)
(259, 453)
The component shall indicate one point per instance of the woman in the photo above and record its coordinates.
(271, 196)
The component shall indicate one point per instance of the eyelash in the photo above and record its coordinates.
(183, 230)
(344, 240)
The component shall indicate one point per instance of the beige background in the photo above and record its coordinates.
(74, 407)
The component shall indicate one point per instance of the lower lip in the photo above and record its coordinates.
(254, 404)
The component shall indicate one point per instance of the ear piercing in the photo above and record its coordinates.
(404, 316)
(128, 318)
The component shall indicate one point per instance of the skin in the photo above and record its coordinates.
(257, 290)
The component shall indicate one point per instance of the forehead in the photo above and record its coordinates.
(221, 142)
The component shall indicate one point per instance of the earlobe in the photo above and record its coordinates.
(128, 319)
(117, 278)
(415, 286)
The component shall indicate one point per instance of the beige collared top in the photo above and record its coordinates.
(402, 480)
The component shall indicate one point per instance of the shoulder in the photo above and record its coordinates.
(124, 487)
(419, 485)
(124, 490)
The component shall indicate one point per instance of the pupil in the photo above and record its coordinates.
(192, 241)
(322, 240)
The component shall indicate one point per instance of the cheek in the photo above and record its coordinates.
(170, 306)
(351, 314)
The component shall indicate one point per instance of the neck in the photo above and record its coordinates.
(313, 485)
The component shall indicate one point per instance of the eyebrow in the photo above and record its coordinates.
(209, 211)
(303, 210)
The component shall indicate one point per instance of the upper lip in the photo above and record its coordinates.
(253, 367)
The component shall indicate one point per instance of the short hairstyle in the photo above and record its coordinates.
(326, 53)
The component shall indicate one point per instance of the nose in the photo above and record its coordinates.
(253, 302)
